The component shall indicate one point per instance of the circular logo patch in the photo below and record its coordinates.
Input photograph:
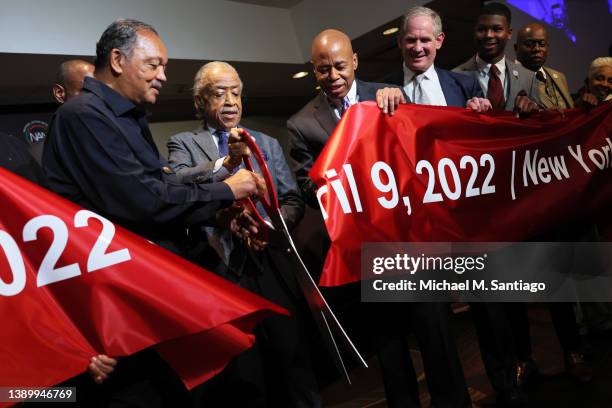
(35, 131)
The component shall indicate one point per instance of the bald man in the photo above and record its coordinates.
(531, 51)
(69, 79)
(334, 63)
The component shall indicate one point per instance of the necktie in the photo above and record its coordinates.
(420, 96)
(345, 105)
(223, 136)
(495, 91)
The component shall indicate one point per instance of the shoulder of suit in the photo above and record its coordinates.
(395, 78)
(469, 65)
(555, 74)
(517, 70)
(306, 111)
(185, 136)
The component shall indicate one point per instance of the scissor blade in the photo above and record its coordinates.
(315, 298)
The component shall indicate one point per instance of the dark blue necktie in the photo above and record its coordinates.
(222, 138)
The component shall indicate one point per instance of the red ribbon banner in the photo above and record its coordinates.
(74, 285)
(437, 174)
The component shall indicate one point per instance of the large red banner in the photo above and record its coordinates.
(437, 174)
(74, 285)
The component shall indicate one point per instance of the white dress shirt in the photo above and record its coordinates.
(483, 75)
(430, 86)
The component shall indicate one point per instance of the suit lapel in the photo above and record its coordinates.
(560, 87)
(204, 142)
(324, 114)
(512, 75)
(452, 93)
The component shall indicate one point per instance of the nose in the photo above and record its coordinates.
(333, 74)
(230, 99)
(418, 46)
(161, 73)
(488, 33)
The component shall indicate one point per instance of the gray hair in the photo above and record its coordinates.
(201, 79)
(599, 63)
(422, 11)
(122, 35)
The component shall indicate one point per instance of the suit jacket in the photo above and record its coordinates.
(309, 130)
(520, 79)
(456, 87)
(559, 81)
(193, 154)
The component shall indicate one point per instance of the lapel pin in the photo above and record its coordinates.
(515, 73)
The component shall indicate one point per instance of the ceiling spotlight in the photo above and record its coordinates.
(300, 74)
(318, 88)
(390, 31)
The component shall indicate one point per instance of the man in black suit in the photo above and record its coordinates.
(334, 64)
(419, 39)
(101, 155)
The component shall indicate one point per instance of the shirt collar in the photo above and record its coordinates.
(542, 71)
(118, 103)
(484, 66)
(409, 74)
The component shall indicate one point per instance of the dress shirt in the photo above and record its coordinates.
(430, 85)
(215, 139)
(100, 154)
(483, 75)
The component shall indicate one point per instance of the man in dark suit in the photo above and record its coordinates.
(101, 155)
(506, 84)
(419, 39)
(334, 64)
(531, 49)
(212, 153)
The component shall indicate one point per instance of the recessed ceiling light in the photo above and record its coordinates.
(300, 74)
(390, 31)
(317, 87)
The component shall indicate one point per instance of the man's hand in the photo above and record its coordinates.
(523, 105)
(479, 104)
(246, 184)
(248, 229)
(388, 99)
(100, 367)
(236, 149)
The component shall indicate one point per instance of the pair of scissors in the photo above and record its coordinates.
(330, 328)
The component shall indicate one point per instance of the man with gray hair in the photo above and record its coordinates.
(100, 154)
(419, 39)
(213, 152)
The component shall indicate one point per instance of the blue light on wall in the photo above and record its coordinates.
(552, 12)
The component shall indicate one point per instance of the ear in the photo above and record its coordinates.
(116, 59)
(197, 102)
(440, 40)
(59, 93)
(355, 61)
